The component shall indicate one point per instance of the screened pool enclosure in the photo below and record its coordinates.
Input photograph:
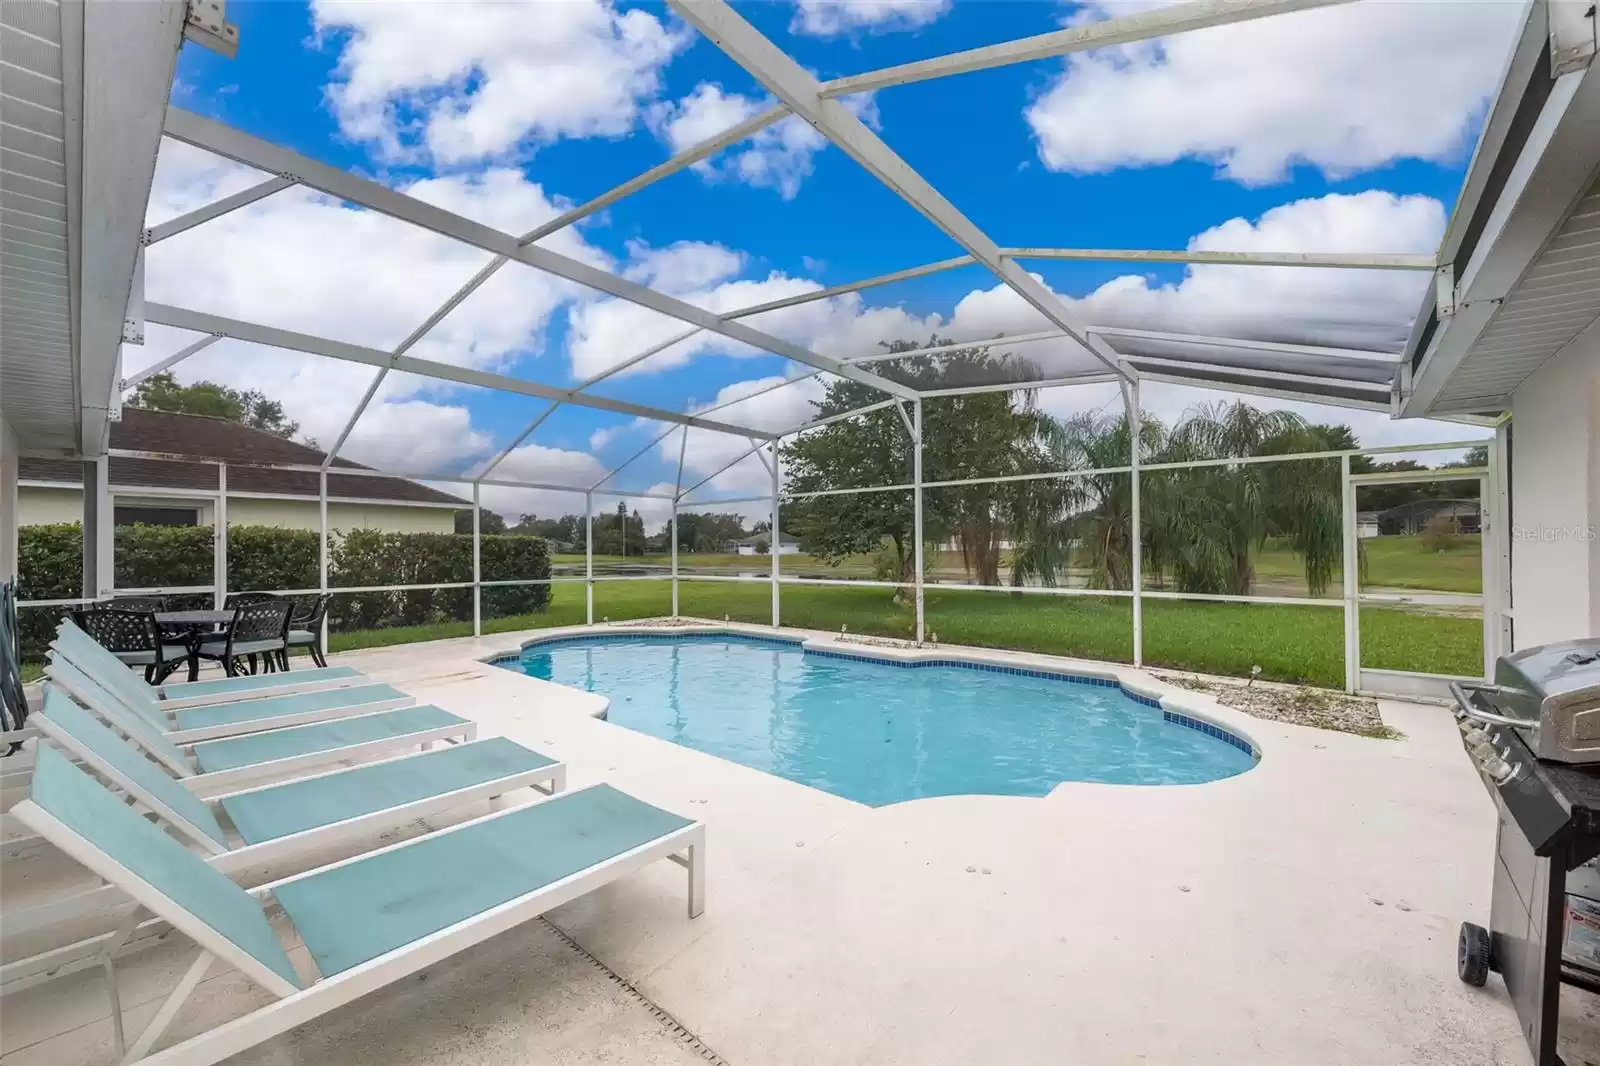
(1085, 530)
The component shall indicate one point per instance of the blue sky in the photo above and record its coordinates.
(1325, 131)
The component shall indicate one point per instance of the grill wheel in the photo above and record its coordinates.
(1473, 954)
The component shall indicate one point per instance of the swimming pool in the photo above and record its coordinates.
(878, 732)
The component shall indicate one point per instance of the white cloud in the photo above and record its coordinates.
(600, 438)
(1344, 308)
(830, 18)
(1341, 308)
(1344, 89)
(471, 81)
(390, 430)
(779, 157)
(302, 261)
(682, 267)
(552, 466)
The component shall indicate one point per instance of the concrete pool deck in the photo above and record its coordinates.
(1302, 912)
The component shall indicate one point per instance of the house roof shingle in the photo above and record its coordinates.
(210, 438)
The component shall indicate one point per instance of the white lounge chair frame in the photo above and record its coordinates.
(685, 846)
(172, 695)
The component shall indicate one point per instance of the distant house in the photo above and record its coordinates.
(787, 545)
(1411, 518)
(1366, 524)
(161, 492)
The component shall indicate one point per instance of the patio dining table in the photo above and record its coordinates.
(192, 628)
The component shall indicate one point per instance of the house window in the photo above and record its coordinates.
(157, 516)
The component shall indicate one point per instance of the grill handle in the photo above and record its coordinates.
(1465, 706)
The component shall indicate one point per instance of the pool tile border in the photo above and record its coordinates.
(924, 657)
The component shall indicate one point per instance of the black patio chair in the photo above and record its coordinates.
(133, 637)
(239, 599)
(258, 629)
(136, 603)
(305, 628)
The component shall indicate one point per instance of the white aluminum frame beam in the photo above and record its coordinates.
(1179, 18)
(773, 305)
(1325, 260)
(168, 363)
(802, 93)
(856, 286)
(271, 336)
(174, 226)
(686, 158)
(516, 441)
(719, 471)
(233, 144)
(702, 412)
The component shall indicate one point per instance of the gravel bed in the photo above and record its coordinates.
(882, 642)
(1295, 704)
(662, 623)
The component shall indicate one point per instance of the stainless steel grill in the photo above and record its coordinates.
(1534, 736)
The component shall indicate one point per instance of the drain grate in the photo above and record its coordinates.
(679, 1031)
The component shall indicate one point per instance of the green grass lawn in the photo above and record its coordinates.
(1289, 643)
(1391, 562)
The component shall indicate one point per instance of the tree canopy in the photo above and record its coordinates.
(976, 435)
(250, 407)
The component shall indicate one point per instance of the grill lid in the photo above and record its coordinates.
(1553, 670)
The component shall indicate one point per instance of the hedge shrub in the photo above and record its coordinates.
(263, 558)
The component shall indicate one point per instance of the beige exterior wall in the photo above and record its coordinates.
(38, 506)
(296, 514)
(1555, 497)
(42, 507)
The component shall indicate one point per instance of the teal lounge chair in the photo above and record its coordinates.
(191, 724)
(367, 922)
(88, 655)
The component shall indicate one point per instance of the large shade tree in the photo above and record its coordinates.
(964, 437)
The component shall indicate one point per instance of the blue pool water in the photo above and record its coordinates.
(880, 733)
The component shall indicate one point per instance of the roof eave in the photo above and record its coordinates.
(1515, 200)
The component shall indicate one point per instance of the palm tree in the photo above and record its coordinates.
(1204, 526)
(1097, 508)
